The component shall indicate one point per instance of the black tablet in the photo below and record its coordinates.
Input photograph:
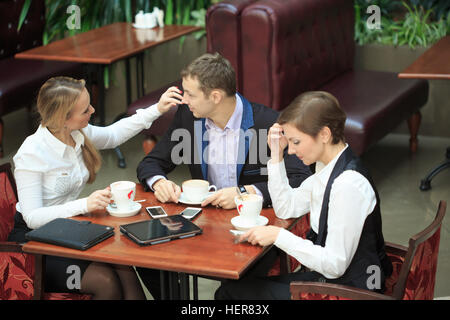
(160, 230)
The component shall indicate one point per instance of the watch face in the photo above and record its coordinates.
(242, 189)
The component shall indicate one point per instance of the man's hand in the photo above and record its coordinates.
(169, 99)
(223, 198)
(166, 191)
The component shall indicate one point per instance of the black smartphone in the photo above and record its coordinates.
(189, 213)
(156, 212)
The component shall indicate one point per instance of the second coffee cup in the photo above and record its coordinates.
(249, 207)
(196, 190)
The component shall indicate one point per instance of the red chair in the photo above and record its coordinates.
(17, 267)
(413, 276)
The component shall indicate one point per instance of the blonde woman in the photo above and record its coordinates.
(53, 165)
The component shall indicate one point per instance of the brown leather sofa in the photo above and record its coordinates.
(20, 80)
(292, 46)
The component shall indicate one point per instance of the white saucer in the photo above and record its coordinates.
(240, 224)
(183, 199)
(141, 26)
(122, 214)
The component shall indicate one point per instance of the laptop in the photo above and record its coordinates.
(80, 235)
(150, 232)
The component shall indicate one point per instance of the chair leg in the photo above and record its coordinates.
(148, 144)
(413, 125)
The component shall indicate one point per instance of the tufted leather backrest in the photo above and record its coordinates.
(30, 34)
(223, 32)
(292, 46)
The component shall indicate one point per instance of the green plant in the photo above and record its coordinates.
(441, 9)
(415, 29)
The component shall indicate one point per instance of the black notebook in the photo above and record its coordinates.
(70, 233)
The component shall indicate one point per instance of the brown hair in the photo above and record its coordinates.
(55, 101)
(212, 72)
(311, 111)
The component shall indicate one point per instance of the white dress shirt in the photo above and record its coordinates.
(50, 175)
(352, 199)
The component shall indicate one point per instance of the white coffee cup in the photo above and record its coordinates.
(196, 190)
(249, 207)
(123, 193)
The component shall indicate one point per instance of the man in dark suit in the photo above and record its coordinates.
(220, 135)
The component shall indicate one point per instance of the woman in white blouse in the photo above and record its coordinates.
(345, 243)
(53, 165)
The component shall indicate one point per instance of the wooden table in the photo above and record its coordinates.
(102, 47)
(433, 64)
(211, 254)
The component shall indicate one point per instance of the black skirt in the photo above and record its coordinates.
(59, 272)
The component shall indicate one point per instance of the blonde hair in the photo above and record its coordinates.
(55, 101)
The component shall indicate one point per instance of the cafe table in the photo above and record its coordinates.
(433, 64)
(212, 254)
(101, 47)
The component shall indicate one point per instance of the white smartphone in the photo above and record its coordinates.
(156, 212)
(189, 213)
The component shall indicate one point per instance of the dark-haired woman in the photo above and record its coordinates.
(345, 244)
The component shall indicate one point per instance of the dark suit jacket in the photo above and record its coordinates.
(251, 167)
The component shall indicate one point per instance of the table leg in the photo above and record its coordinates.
(120, 156)
(128, 80)
(195, 286)
(39, 274)
(101, 93)
(174, 287)
(164, 282)
(184, 286)
(425, 184)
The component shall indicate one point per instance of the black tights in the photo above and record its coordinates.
(111, 282)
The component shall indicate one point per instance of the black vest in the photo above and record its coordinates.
(371, 248)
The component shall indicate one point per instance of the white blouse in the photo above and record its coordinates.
(352, 199)
(50, 175)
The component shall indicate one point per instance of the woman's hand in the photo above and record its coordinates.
(277, 142)
(169, 99)
(99, 200)
(263, 236)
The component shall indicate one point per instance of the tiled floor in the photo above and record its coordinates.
(405, 209)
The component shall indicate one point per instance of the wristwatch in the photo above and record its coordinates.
(242, 189)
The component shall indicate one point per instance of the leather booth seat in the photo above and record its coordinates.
(375, 104)
(20, 80)
(292, 46)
